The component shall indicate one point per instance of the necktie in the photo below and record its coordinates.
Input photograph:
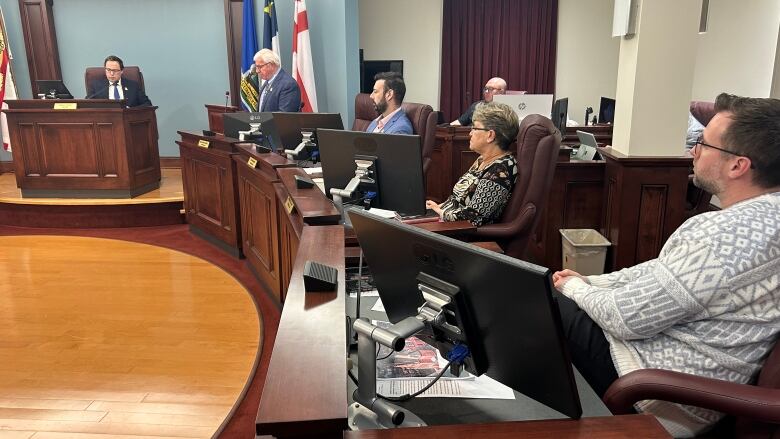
(116, 90)
(263, 91)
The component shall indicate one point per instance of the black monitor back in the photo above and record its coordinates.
(399, 158)
(47, 86)
(607, 110)
(560, 113)
(289, 125)
(516, 323)
(235, 122)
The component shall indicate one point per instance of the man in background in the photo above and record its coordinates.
(388, 95)
(707, 305)
(278, 90)
(116, 87)
(494, 86)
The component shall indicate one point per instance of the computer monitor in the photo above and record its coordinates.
(504, 306)
(53, 89)
(560, 113)
(398, 161)
(607, 110)
(241, 121)
(289, 125)
(527, 104)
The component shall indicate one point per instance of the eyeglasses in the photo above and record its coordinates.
(260, 66)
(700, 141)
(113, 70)
(480, 129)
(489, 89)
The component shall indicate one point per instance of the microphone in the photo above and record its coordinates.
(102, 89)
(227, 97)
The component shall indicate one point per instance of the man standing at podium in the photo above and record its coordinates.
(116, 87)
(278, 90)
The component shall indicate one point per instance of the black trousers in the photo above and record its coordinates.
(588, 347)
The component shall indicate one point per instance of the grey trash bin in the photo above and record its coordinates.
(584, 250)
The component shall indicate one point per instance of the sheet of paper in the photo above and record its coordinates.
(369, 293)
(314, 172)
(482, 387)
(378, 306)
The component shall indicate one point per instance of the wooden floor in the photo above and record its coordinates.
(104, 338)
(170, 190)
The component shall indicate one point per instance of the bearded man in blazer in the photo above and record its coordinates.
(116, 87)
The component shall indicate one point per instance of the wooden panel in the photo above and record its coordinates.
(305, 393)
(260, 224)
(215, 114)
(602, 133)
(575, 202)
(653, 200)
(211, 192)
(107, 153)
(40, 40)
(645, 204)
(613, 427)
(142, 153)
(70, 149)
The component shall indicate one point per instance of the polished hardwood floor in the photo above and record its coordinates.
(106, 338)
(170, 190)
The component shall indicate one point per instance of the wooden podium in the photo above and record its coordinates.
(78, 148)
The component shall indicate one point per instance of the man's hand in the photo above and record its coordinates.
(560, 278)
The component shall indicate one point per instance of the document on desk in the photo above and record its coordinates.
(414, 367)
(482, 387)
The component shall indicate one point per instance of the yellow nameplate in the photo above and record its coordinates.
(252, 162)
(289, 205)
(65, 106)
(203, 143)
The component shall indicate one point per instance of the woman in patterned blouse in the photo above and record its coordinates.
(481, 193)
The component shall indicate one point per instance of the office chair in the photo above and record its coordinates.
(132, 73)
(755, 409)
(538, 142)
(422, 116)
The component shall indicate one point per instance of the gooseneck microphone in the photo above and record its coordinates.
(227, 97)
(101, 90)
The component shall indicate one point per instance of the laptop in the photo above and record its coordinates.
(588, 147)
(527, 104)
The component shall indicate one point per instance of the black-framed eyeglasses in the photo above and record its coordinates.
(480, 129)
(489, 89)
(700, 141)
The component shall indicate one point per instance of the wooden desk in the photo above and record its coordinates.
(612, 427)
(211, 189)
(97, 150)
(602, 133)
(214, 113)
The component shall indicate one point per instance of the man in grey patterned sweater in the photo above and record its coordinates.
(709, 305)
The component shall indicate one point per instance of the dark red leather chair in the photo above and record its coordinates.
(756, 408)
(422, 116)
(538, 142)
(132, 73)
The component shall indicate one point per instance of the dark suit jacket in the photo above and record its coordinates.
(283, 94)
(134, 96)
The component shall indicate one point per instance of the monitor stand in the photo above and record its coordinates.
(369, 411)
(364, 181)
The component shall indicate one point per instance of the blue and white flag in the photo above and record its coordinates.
(270, 28)
(249, 96)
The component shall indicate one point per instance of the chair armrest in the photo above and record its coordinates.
(758, 403)
(510, 228)
(447, 227)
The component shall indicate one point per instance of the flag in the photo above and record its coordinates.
(249, 97)
(7, 86)
(270, 28)
(302, 67)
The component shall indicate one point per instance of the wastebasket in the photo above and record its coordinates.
(584, 250)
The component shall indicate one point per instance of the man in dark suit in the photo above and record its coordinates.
(278, 90)
(116, 87)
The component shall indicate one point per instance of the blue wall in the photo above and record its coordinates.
(180, 46)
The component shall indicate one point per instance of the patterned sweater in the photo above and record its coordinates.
(709, 305)
(480, 196)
